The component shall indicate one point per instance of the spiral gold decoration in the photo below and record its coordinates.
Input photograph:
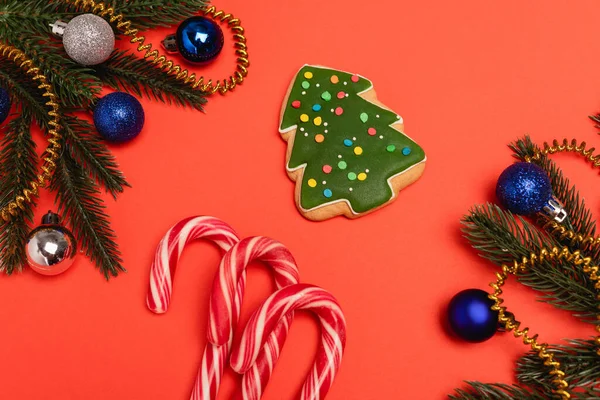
(52, 152)
(568, 147)
(168, 66)
(564, 233)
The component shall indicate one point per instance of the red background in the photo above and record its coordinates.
(467, 77)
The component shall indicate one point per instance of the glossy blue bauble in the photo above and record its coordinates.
(4, 105)
(199, 39)
(119, 117)
(471, 317)
(524, 188)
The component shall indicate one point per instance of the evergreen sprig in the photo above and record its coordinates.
(89, 150)
(125, 71)
(80, 203)
(496, 391)
(18, 160)
(579, 359)
(86, 166)
(502, 237)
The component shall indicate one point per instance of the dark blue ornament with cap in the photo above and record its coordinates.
(119, 117)
(524, 188)
(4, 105)
(470, 316)
(198, 40)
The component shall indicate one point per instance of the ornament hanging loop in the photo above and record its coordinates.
(58, 28)
(169, 44)
(555, 210)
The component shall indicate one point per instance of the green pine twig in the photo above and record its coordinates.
(125, 71)
(495, 391)
(25, 93)
(579, 360)
(88, 149)
(79, 202)
(18, 160)
(146, 14)
(502, 238)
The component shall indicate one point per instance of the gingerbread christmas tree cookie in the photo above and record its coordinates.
(346, 151)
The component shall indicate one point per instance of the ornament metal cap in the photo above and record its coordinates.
(51, 218)
(555, 210)
(169, 44)
(58, 28)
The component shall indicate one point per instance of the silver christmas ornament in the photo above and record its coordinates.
(51, 248)
(88, 39)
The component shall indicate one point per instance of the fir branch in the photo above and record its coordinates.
(146, 14)
(596, 119)
(579, 360)
(496, 391)
(90, 152)
(125, 71)
(31, 15)
(501, 238)
(18, 161)
(25, 93)
(79, 201)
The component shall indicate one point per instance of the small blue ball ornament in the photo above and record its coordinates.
(119, 117)
(4, 105)
(470, 316)
(199, 39)
(524, 188)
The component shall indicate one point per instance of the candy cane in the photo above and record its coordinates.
(266, 319)
(226, 302)
(169, 251)
(255, 380)
(163, 271)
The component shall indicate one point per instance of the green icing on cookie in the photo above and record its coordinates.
(352, 153)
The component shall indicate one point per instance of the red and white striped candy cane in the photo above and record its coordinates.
(169, 251)
(255, 380)
(266, 319)
(226, 303)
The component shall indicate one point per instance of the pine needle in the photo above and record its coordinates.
(18, 160)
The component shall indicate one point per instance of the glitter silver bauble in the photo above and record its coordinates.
(51, 248)
(89, 39)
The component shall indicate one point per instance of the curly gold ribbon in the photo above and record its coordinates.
(168, 66)
(52, 152)
(508, 320)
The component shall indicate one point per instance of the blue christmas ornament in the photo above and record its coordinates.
(119, 117)
(471, 317)
(524, 188)
(199, 39)
(4, 105)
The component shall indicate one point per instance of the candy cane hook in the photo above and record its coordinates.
(273, 311)
(169, 251)
(226, 302)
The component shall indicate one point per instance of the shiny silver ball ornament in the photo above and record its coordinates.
(51, 248)
(88, 39)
